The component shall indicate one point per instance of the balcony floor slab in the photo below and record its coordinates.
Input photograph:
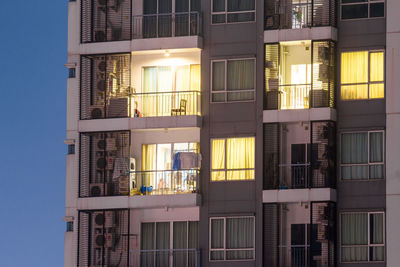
(295, 115)
(299, 195)
(313, 33)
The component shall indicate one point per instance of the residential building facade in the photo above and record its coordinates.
(232, 133)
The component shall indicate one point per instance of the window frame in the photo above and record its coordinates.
(225, 161)
(226, 91)
(369, 75)
(364, 164)
(369, 245)
(224, 249)
(226, 13)
(368, 3)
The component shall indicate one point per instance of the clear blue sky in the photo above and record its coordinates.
(33, 47)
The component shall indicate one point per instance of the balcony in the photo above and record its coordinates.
(166, 25)
(166, 182)
(299, 14)
(178, 103)
(299, 155)
(299, 234)
(299, 75)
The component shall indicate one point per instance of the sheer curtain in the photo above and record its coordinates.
(163, 100)
(147, 106)
(240, 155)
(240, 76)
(354, 151)
(376, 232)
(239, 234)
(354, 69)
(376, 90)
(354, 232)
(193, 243)
(217, 239)
(218, 159)
(149, 161)
(147, 243)
(180, 242)
(376, 155)
(162, 243)
(218, 81)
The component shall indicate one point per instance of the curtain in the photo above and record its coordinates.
(218, 5)
(354, 69)
(217, 239)
(376, 147)
(376, 237)
(149, 161)
(180, 242)
(147, 243)
(240, 155)
(218, 160)
(354, 232)
(195, 77)
(218, 81)
(239, 234)
(147, 105)
(376, 75)
(240, 5)
(193, 238)
(354, 150)
(182, 78)
(240, 76)
(162, 243)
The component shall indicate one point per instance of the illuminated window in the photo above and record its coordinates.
(356, 9)
(233, 80)
(362, 155)
(233, 11)
(362, 75)
(232, 159)
(231, 238)
(362, 236)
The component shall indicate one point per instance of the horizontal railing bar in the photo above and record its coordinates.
(166, 14)
(167, 92)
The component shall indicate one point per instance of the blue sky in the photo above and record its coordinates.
(33, 42)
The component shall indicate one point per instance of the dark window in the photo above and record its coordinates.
(357, 9)
(71, 149)
(354, 11)
(70, 226)
(377, 10)
(71, 73)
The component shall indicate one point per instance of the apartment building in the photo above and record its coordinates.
(233, 133)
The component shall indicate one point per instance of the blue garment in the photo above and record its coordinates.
(177, 161)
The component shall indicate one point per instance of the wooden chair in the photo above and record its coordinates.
(181, 110)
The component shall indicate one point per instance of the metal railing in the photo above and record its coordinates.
(295, 96)
(166, 25)
(285, 14)
(167, 182)
(294, 176)
(294, 256)
(167, 103)
(167, 257)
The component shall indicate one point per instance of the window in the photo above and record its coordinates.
(233, 80)
(231, 238)
(232, 159)
(231, 11)
(362, 75)
(362, 237)
(71, 149)
(161, 240)
(70, 226)
(359, 9)
(71, 73)
(362, 155)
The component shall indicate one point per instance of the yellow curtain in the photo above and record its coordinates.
(240, 155)
(195, 77)
(354, 69)
(149, 161)
(377, 69)
(218, 160)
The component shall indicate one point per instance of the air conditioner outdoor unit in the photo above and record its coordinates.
(124, 174)
(97, 190)
(105, 163)
(96, 112)
(104, 219)
(322, 132)
(109, 144)
(118, 107)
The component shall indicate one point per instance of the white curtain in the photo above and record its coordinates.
(354, 151)
(162, 243)
(376, 155)
(147, 243)
(354, 232)
(217, 239)
(180, 242)
(239, 234)
(240, 76)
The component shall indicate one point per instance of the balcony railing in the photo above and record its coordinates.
(166, 25)
(298, 14)
(166, 182)
(176, 103)
(291, 96)
(294, 256)
(167, 257)
(294, 176)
